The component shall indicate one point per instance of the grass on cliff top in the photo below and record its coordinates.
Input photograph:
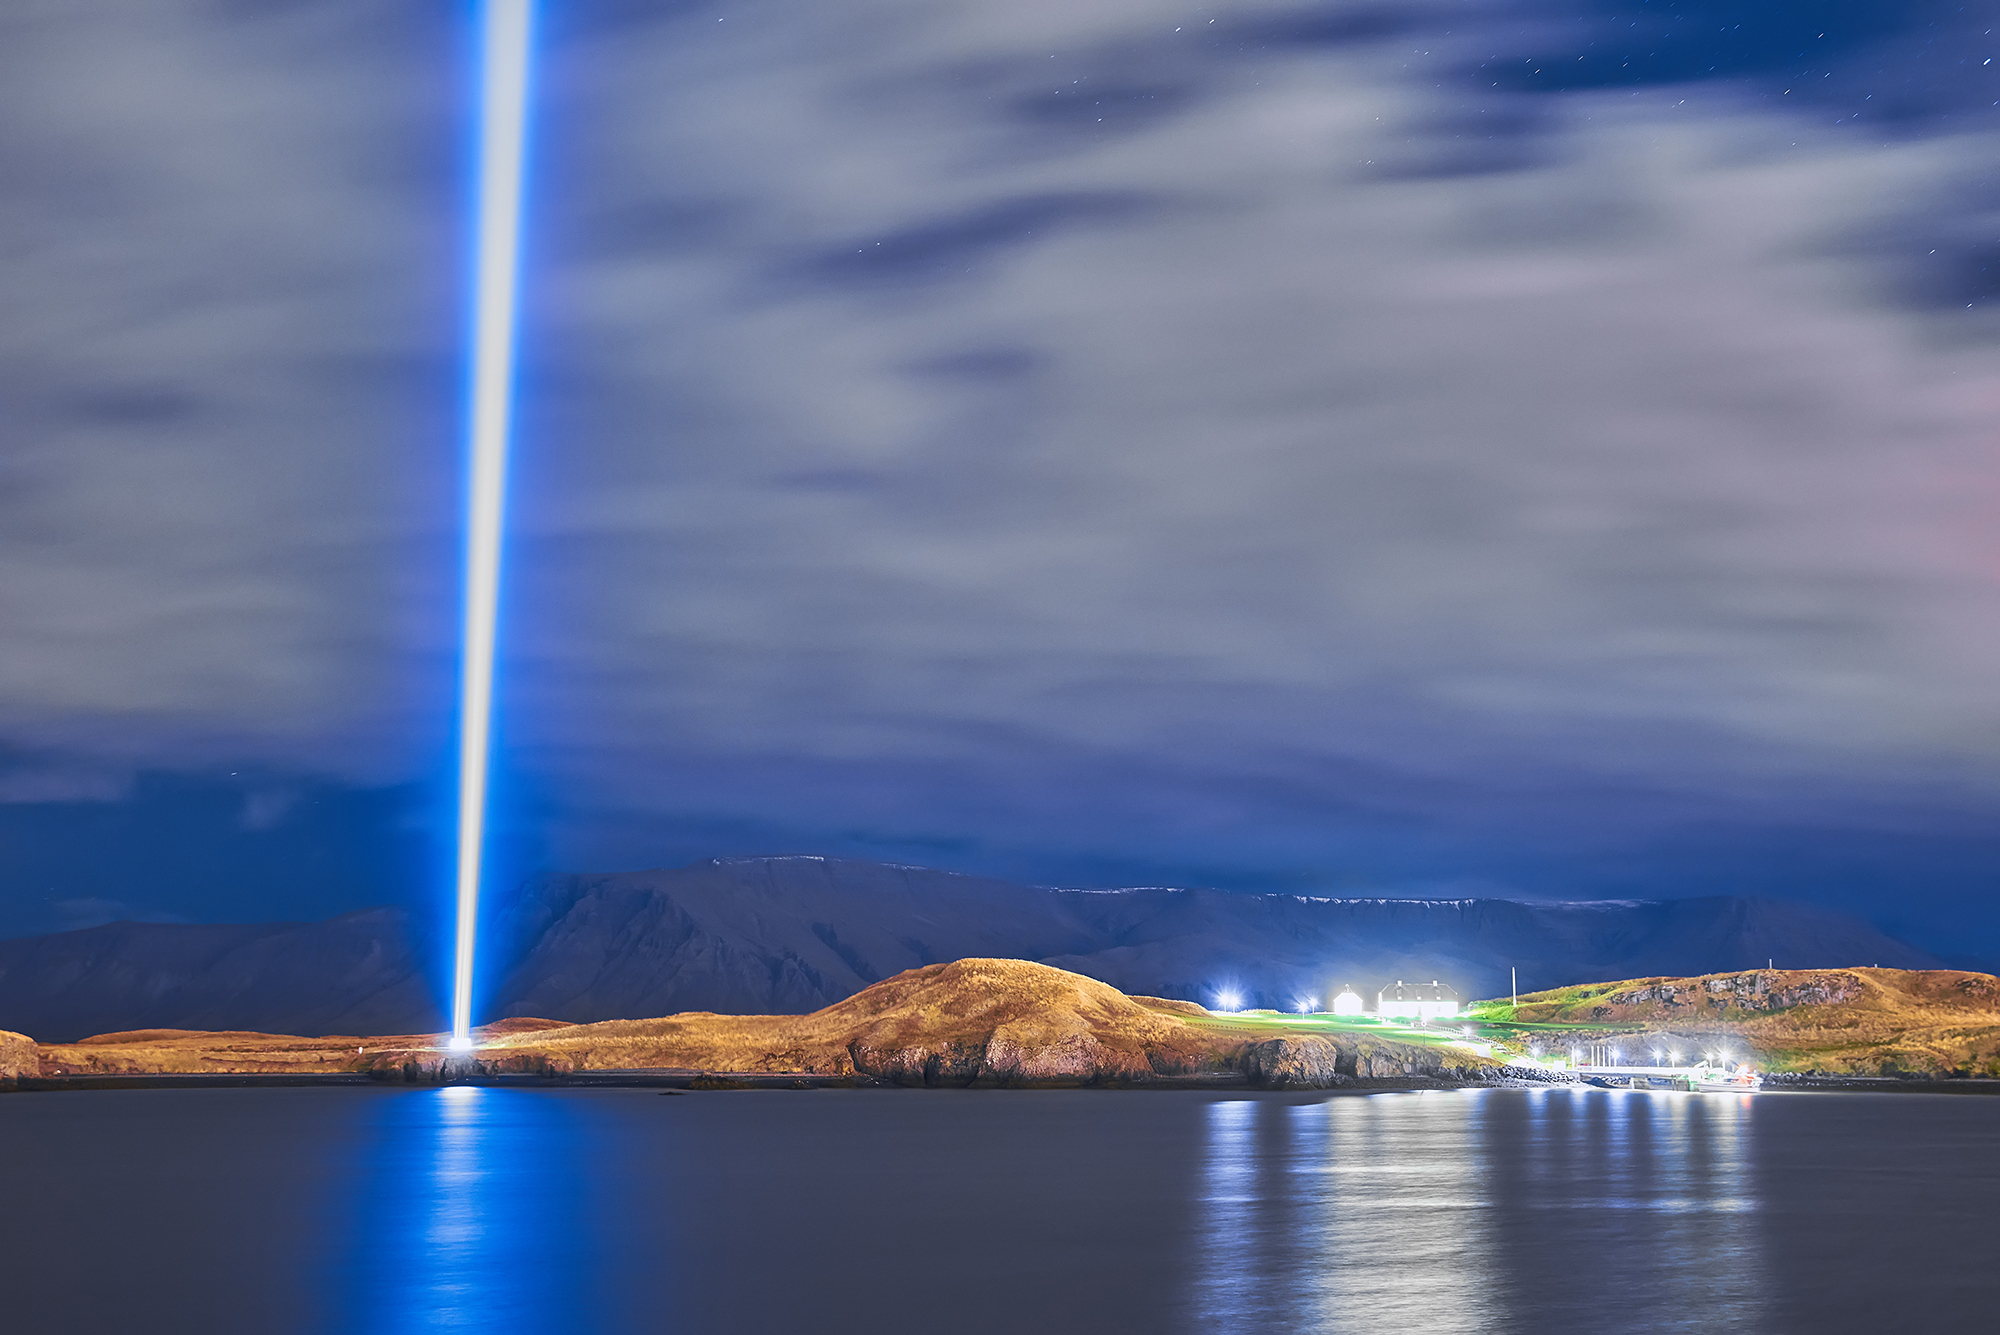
(1278, 1024)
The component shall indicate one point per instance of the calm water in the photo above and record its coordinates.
(521, 1211)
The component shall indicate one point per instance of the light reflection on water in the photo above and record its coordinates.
(475, 1217)
(1553, 1210)
(1650, 1197)
(519, 1210)
(1398, 1194)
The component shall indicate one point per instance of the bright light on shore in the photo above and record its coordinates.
(1228, 1001)
(503, 117)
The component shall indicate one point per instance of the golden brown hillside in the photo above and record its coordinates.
(976, 1021)
(1833, 1021)
(993, 1020)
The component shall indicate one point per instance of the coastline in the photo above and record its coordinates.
(682, 1080)
(688, 1080)
(989, 1023)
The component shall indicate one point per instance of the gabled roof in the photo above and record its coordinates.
(1431, 991)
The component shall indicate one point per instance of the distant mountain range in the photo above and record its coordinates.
(789, 935)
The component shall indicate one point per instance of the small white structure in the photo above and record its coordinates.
(1348, 1002)
(1417, 1001)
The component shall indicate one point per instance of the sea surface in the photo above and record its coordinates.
(537, 1210)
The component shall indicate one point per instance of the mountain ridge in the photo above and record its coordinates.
(791, 935)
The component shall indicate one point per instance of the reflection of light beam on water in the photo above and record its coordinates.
(476, 1211)
(503, 106)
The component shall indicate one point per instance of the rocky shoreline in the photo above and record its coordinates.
(686, 1081)
(702, 1081)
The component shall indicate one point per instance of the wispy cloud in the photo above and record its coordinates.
(1264, 434)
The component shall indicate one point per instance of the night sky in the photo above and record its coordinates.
(1537, 449)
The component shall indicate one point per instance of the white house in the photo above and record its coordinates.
(1417, 1001)
(1348, 1002)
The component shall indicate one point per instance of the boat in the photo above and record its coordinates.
(1738, 1080)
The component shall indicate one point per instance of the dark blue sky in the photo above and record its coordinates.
(1531, 449)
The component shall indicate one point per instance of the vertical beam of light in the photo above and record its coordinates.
(503, 115)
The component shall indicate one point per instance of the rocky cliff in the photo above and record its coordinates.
(18, 1057)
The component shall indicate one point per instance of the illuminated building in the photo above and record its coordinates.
(1417, 1001)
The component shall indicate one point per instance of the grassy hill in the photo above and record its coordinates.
(1830, 1021)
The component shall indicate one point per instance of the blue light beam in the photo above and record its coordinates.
(506, 33)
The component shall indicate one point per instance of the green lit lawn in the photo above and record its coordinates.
(1491, 1023)
(1279, 1023)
